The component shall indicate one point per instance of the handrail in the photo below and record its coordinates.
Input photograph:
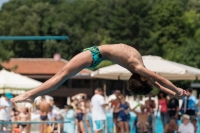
(4, 38)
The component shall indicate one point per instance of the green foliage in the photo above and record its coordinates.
(127, 22)
(168, 29)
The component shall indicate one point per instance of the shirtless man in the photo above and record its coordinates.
(194, 122)
(171, 127)
(45, 108)
(23, 117)
(142, 118)
(126, 56)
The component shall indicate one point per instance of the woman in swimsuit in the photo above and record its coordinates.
(79, 118)
(14, 117)
(124, 116)
(23, 117)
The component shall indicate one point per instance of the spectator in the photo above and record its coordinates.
(54, 110)
(162, 101)
(29, 110)
(23, 117)
(54, 126)
(45, 108)
(5, 111)
(69, 116)
(79, 119)
(98, 111)
(53, 106)
(186, 126)
(194, 122)
(142, 118)
(114, 105)
(172, 126)
(124, 116)
(173, 108)
(82, 101)
(74, 103)
(199, 109)
(86, 110)
(53, 114)
(189, 105)
(14, 117)
(150, 105)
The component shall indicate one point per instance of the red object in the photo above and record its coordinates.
(163, 103)
(16, 130)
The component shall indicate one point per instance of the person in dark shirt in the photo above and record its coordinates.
(173, 108)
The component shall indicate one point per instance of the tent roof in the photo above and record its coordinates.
(168, 69)
(43, 66)
(11, 80)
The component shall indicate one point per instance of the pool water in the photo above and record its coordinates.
(111, 127)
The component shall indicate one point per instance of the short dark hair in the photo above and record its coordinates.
(117, 91)
(189, 90)
(99, 89)
(137, 86)
(194, 120)
(43, 97)
(161, 92)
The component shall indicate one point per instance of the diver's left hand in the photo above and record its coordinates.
(23, 98)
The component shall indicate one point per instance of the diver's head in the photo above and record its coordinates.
(139, 85)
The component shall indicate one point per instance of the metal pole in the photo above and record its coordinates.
(4, 38)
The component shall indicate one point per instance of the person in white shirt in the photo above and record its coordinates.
(98, 112)
(186, 126)
(5, 111)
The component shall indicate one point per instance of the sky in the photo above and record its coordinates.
(3, 1)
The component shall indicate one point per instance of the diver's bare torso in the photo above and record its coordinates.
(122, 54)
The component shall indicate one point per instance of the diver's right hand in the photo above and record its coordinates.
(181, 95)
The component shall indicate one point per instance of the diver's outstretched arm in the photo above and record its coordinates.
(160, 80)
(168, 91)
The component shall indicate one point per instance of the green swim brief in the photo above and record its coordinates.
(96, 56)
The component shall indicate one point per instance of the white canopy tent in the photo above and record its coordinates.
(168, 69)
(16, 83)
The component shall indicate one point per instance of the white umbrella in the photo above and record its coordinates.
(168, 69)
(16, 83)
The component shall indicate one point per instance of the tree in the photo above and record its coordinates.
(168, 29)
(127, 22)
